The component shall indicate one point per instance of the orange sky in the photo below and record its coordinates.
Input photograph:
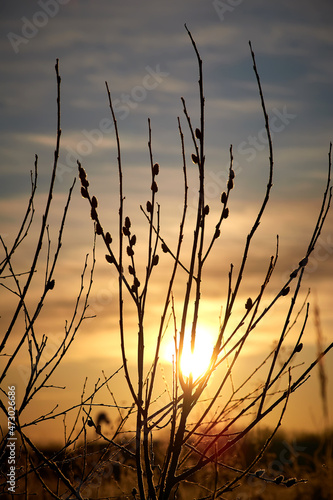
(129, 46)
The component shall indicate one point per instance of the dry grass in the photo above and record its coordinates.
(307, 456)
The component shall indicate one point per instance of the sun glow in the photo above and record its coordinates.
(195, 363)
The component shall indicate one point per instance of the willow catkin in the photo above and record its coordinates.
(156, 169)
(108, 239)
(133, 240)
(165, 248)
(155, 260)
(198, 134)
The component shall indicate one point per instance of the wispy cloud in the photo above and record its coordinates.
(123, 42)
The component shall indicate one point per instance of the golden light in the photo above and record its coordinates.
(197, 362)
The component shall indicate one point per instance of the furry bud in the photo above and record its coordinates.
(94, 202)
(293, 274)
(206, 210)
(126, 231)
(82, 173)
(156, 169)
(130, 252)
(224, 198)
(248, 304)
(50, 285)
(230, 184)
(290, 482)
(108, 239)
(93, 213)
(299, 347)
(303, 262)
(279, 479)
(131, 270)
(133, 240)
(154, 187)
(84, 192)
(225, 213)
(217, 233)
(149, 207)
(198, 134)
(155, 260)
(99, 229)
(127, 222)
(109, 259)
(285, 291)
(194, 158)
(165, 248)
(232, 174)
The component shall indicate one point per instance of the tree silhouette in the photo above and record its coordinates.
(197, 451)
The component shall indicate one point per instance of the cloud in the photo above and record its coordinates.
(117, 42)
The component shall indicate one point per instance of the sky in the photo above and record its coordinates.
(143, 51)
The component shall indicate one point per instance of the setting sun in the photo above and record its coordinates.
(198, 361)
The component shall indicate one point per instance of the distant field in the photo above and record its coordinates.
(306, 457)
